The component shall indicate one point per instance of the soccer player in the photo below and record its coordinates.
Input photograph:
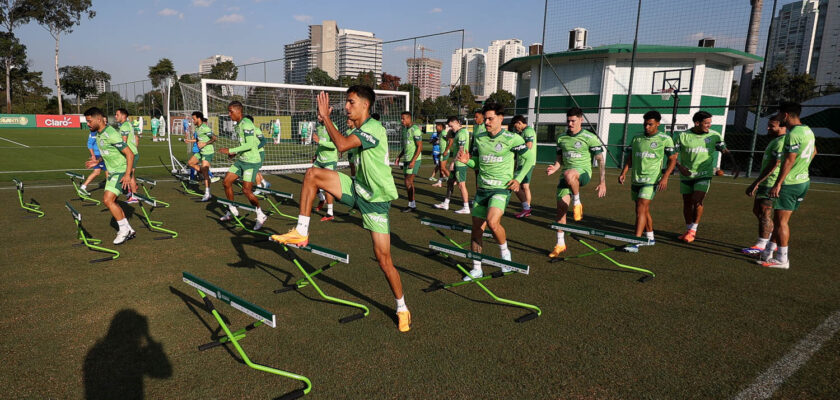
(575, 150)
(276, 131)
(412, 139)
(155, 126)
(136, 125)
(529, 158)
(247, 165)
(127, 133)
(696, 164)
(93, 148)
(760, 188)
(202, 141)
(326, 156)
(477, 128)
(260, 180)
(140, 127)
(185, 125)
(434, 140)
(493, 155)
(791, 185)
(119, 160)
(372, 191)
(458, 171)
(647, 153)
(446, 138)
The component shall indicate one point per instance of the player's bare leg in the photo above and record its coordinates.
(125, 231)
(476, 245)
(644, 222)
(562, 209)
(572, 178)
(692, 212)
(409, 188)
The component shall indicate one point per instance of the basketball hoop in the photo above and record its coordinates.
(666, 94)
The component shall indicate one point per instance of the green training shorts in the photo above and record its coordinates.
(246, 171)
(327, 165)
(411, 171)
(563, 189)
(487, 198)
(790, 196)
(112, 184)
(646, 192)
(689, 186)
(374, 215)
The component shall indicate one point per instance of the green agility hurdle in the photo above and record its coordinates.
(238, 219)
(267, 194)
(336, 257)
(143, 182)
(452, 226)
(153, 225)
(630, 244)
(187, 184)
(262, 317)
(31, 207)
(89, 241)
(82, 196)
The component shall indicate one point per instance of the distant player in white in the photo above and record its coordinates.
(162, 129)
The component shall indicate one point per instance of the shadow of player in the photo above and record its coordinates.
(116, 365)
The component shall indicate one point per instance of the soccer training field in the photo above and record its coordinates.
(710, 325)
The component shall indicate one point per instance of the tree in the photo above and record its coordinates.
(159, 73)
(13, 13)
(226, 70)
(31, 96)
(414, 97)
(367, 79)
(80, 81)
(59, 17)
(776, 81)
(503, 97)
(462, 98)
(389, 82)
(800, 88)
(319, 77)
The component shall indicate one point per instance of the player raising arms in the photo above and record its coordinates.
(412, 139)
(458, 171)
(372, 191)
(760, 188)
(494, 157)
(697, 166)
(326, 156)
(792, 184)
(575, 150)
(202, 140)
(529, 158)
(647, 154)
(119, 160)
(247, 165)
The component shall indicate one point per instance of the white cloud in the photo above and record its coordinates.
(435, 10)
(303, 18)
(168, 12)
(142, 48)
(234, 8)
(202, 3)
(230, 19)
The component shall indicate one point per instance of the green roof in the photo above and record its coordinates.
(739, 57)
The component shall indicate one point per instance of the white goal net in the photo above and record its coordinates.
(286, 115)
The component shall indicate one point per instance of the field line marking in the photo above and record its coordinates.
(12, 141)
(62, 170)
(768, 382)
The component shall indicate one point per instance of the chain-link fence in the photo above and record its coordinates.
(677, 57)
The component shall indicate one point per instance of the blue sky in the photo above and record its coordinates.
(129, 36)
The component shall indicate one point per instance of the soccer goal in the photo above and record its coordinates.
(286, 115)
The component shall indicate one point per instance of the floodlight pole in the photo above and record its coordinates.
(539, 74)
(630, 85)
(674, 112)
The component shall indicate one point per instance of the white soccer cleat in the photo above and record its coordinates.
(774, 263)
(475, 273)
(260, 222)
(442, 206)
(207, 197)
(465, 210)
(227, 217)
(124, 235)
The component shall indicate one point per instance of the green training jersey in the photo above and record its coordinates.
(410, 136)
(352, 154)
(326, 152)
(530, 156)
(127, 132)
(374, 181)
(800, 141)
(203, 133)
(444, 143)
(697, 153)
(155, 123)
(773, 153)
(578, 149)
(248, 149)
(110, 149)
(494, 156)
(462, 139)
(259, 134)
(649, 154)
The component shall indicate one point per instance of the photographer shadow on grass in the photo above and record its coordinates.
(116, 365)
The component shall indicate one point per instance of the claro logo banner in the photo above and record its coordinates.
(57, 121)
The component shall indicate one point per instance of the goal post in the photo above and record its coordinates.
(286, 114)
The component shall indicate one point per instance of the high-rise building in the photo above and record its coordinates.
(468, 68)
(324, 47)
(828, 33)
(500, 52)
(425, 74)
(298, 61)
(205, 65)
(359, 51)
(805, 39)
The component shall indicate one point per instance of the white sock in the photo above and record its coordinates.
(446, 201)
(260, 213)
(321, 196)
(233, 210)
(575, 199)
(561, 238)
(692, 227)
(440, 180)
(83, 187)
(123, 224)
(303, 225)
(505, 253)
(649, 235)
(412, 204)
(762, 242)
(526, 206)
(401, 304)
(476, 266)
(329, 209)
(782, 253)
(207, 190)
(466, 204)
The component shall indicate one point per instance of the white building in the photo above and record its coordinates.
(297, 60)
(500, 52)
(359, 51)
(425, 74)
(805, 39)
(828, 63)
(205, 65)
(324, 47)
(468, 68)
